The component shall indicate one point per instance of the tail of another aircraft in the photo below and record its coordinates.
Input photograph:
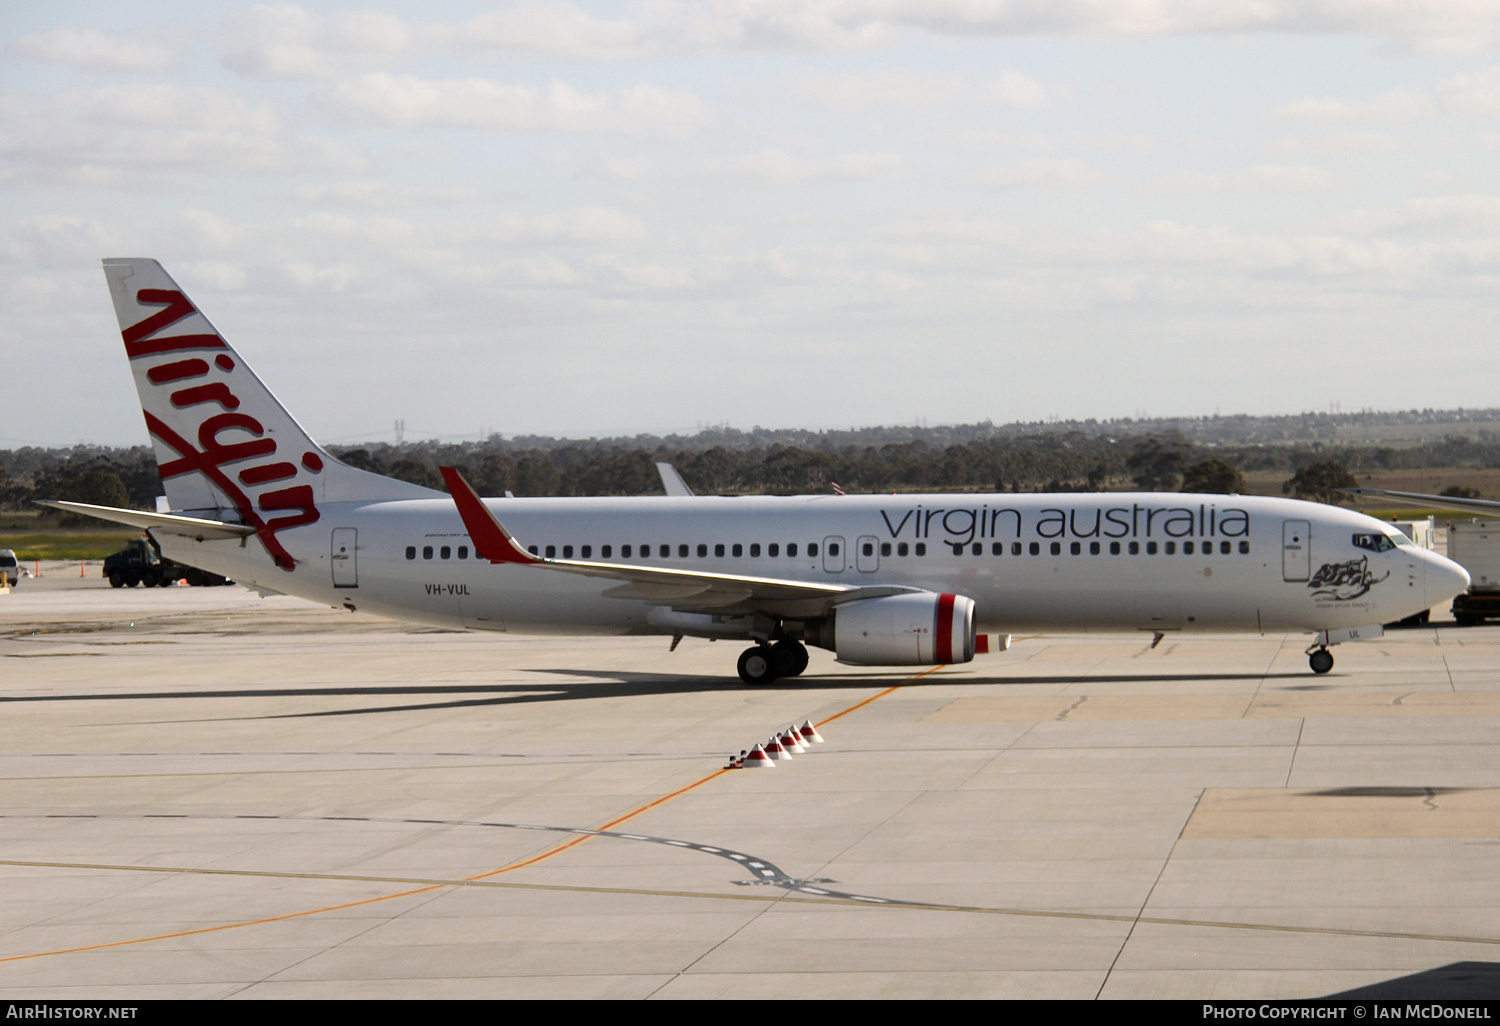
(226, 448)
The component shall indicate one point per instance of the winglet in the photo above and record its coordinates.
(491, 539)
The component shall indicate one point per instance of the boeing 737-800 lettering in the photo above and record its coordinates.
(880, 580)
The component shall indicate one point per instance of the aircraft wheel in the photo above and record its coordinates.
(757, 666)
(1321, 661)
(790, 657)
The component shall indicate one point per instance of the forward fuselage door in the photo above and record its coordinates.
(343, 559)
(867, 553)
(1296, 550)
(833, 554)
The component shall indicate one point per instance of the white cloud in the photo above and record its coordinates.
(91, 50)
(551, 28)
(1337, 144)
(1396, 105)
(1064, 173)
(383, 194)
(851, 91)
(1477, 94)
(95, 135)
(479, 103)
(1455, 26)
(1262, 178)
(777, 167)
(286, 41)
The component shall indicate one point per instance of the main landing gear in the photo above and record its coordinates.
(1321, 660)
(762, 664)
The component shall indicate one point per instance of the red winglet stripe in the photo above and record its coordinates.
(944, 629)
(491, 539)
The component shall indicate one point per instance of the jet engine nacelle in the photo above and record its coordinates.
(916, 629)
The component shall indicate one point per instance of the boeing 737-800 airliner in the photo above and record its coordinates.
(880, 580)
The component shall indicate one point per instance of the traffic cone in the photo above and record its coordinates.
(758, 759)
(776, 750)
(792, 742)
(810, 734)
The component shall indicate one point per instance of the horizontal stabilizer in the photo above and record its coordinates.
(166, 523)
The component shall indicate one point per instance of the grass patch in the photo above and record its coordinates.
(67, 544)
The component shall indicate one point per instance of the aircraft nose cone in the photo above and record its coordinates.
(1444, 579)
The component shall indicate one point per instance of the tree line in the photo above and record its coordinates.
(1056, 462)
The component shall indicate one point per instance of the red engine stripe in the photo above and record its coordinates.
(944, 629)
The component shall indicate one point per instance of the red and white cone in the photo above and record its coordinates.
(758, 759)
(776, 750)
(810, 734)
(792, 741)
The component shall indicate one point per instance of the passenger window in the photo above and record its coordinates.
(719, 549)
(1076, 548)
(567, 552)
(833, 550)
(624, 552)
(426, 551)
(1171, 548)
(531, 549)
(1114, 548)
(1187, 548)
(1225, 548)
(463, 552)
(1015, 548)
(738, 550)
(1093, 548)
(605, 551)
(791, 549)
(1036, 548)
(773, 549)
(1244, 548)
(411, 552)
(1151, 548)
(977, 549)
(445, 553)
(702, 551)
(885, 548)
(921, 549)
(901, 549)
(551, 551)
(587, 552)
(682, 551)
(1056, 548)
(1135, 548)
(754, 550)
(812, 548)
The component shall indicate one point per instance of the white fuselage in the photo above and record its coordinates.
(1086, 562)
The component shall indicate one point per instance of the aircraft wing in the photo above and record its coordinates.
(167, 523)
(1484, 506)
(695, 590)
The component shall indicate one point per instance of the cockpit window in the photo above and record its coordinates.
(1374, 542)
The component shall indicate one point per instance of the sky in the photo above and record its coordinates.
(612, 218)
